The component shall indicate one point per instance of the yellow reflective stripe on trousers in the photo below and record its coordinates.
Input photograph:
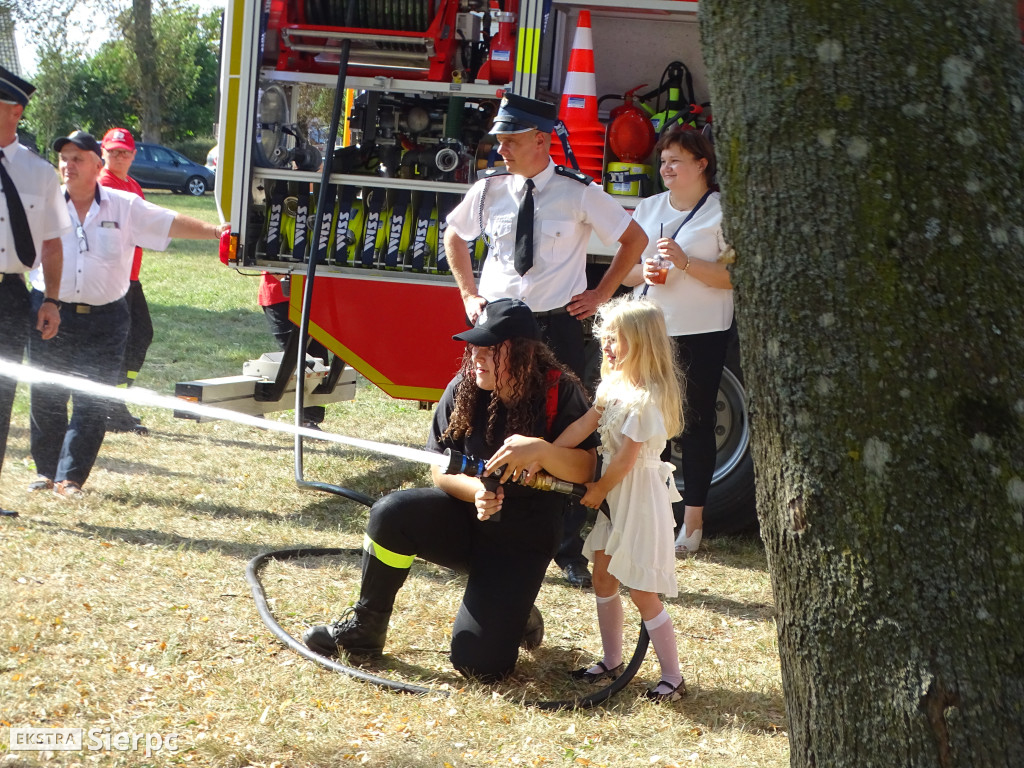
(386, 556)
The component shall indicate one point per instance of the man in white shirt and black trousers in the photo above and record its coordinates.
(32, 219)
(537, 219)
(107, 224)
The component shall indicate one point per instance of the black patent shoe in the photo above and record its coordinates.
(665, 691)
(587, 676)
(356, 632)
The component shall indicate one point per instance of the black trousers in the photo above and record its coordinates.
(505, 562)
(17, 321)
(563, 333)
(91, 345)
(281, 327)
(702, 357)
(140, 332)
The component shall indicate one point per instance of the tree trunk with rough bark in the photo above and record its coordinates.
(871, 160)
(144, 46)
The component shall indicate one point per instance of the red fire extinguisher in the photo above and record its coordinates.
(631, 135)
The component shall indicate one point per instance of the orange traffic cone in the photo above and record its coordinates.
(578, 110)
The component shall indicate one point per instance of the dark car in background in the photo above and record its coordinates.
(157, 167)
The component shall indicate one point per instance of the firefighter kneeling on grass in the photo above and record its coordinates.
(510, 389)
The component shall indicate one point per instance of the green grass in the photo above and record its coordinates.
(198, 304)
(129, 609)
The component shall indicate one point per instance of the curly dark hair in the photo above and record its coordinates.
(529, 362)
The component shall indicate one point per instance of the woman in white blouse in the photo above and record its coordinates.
(684, 227)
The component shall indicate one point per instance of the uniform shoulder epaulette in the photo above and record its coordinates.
(488, 173)
(569, 173)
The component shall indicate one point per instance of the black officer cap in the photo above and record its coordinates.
(13, 89)
(518, 114)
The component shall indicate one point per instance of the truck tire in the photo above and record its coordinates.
(730, 509)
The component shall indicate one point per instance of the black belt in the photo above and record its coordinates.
(552, 312)
(14, 276)
(85, 309)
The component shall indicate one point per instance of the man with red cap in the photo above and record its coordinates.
(32, 219)
(118, 155)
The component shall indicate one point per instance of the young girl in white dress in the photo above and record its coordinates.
(639, 406)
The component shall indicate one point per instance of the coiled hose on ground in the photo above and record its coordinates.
(252, 577)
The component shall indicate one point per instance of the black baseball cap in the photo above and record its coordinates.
(80, 139)
(13, 89)
(501, 320)
(518, 114)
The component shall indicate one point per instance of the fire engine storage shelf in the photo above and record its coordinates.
(355, 180)
(610, 38)
(376, 274)
(652, 14)
(388, 84)
(613, 39)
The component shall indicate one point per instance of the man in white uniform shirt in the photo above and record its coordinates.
(549, 273)
(98, 252)
(44, 219)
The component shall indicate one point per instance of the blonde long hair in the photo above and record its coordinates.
(649, 370)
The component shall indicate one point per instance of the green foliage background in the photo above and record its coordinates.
(94, 92)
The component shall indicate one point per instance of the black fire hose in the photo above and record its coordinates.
(252, 577)
(458, 464)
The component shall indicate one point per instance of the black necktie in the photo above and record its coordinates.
(23, 244)
(524, 232)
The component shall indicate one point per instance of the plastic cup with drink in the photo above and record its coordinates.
(658, 264)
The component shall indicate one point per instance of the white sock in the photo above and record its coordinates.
(663, 638)
(609, 619)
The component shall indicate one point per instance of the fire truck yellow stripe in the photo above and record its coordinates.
(231, 83)
(528, 51)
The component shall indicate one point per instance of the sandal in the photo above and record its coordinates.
(665, 691)
(68, 489)
(40, 484)
(587, 676)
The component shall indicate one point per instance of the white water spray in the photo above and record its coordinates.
(140, 396)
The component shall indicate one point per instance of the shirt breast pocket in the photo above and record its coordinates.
(558, 237)
(34, 213)
(498, 227)
(108, 245)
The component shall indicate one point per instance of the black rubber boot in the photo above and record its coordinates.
(359, 631)
(119, 419)
(363, 628)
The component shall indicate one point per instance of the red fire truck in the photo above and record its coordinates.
(422, 80)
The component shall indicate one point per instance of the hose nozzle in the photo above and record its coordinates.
(460, 464)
